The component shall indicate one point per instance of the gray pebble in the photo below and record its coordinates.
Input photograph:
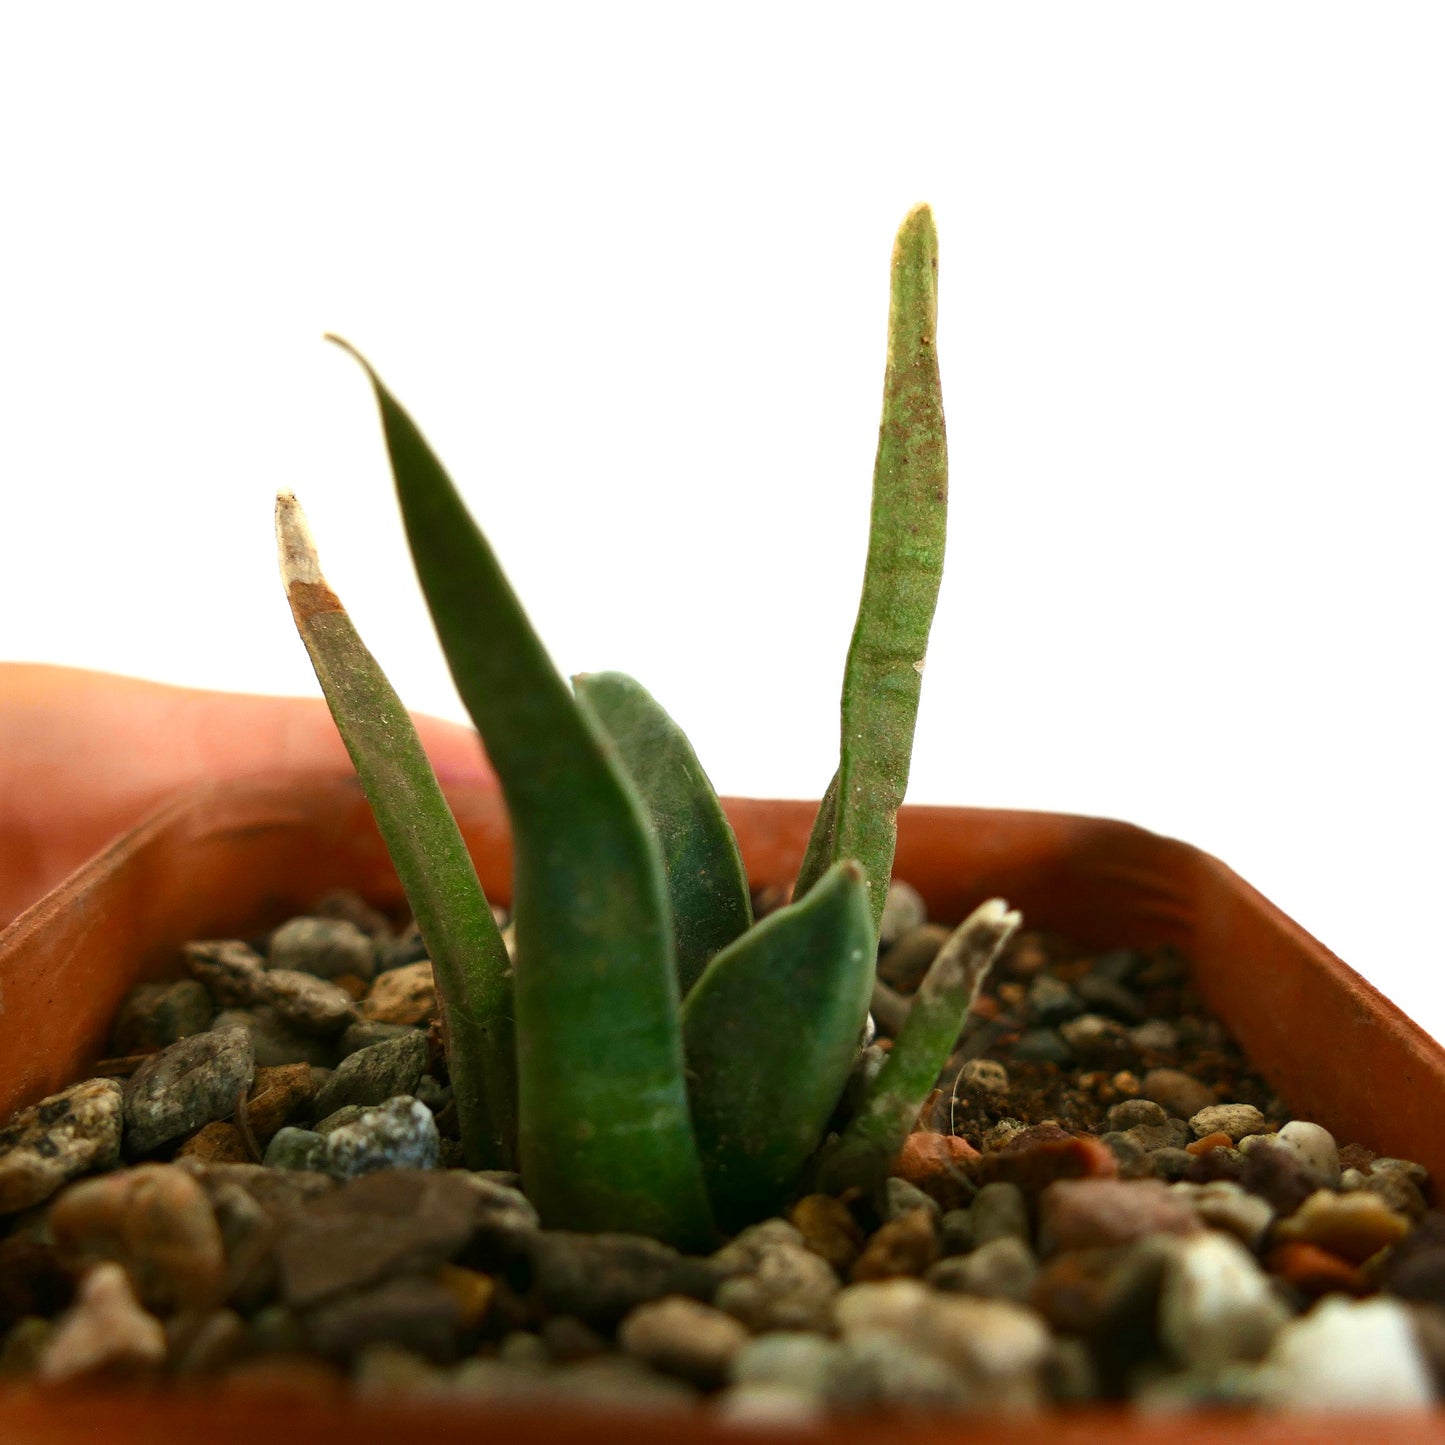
(1171, 1164)
(1118, 965)
(156, 1014)
(1097, 1041)
(434, 1094)
(1042, 1046)
(899, 1197)
(1103, 995)
(308, 1003)
(327, 947)
(955, 1232)
(789, 1358)
(903, 909)
(365, 1032)
(788, 1288)
(376, 1073)
(879, 1371)
(274, 1042)
(296, 1149)
(1051, 1001)
(1171, 1134)
(1224, 1205)
(399, 1134)
(905, 962)
(1155, 1036)
(1132, 1112)
(1004, 1268)
(420, 1315)
(999, 1211)
(600, 1277)
(346, 1114)
(230, 970)
(191, 1083)
(59, 1139)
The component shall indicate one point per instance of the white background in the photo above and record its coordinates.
(628, 267)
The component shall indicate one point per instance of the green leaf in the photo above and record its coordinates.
(707, 886)
(900, 582)
(881, 1127)
(772, 1029)
(605, 1139)
(473, 974)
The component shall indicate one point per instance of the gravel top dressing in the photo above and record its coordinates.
(1101, 1201)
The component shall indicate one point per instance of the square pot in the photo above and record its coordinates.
(235, 859)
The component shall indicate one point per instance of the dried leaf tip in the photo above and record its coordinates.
(306, 588)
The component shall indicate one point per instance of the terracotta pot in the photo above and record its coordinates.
(237, 858)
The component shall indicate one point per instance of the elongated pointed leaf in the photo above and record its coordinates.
(469, 960)
(707, 886)
(881, 1127)
(605, 1139)
(900, 583)
(771, 1030)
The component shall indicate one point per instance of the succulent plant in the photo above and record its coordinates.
(656, 1062)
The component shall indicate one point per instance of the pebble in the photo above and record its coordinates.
(399, 1134)
(1101, 994)
(58, 1139)
(383, 1370)
(273, 1041)
(829, 1229)
(1352, 1226)
(903, 965)
(787, 1287)
(1132, 1113)
(230, 970)
(1034, 1158)
(216, 1143)
(1001, 1269)
(1315, 1146)
(276, 1095)
(1180, 1093)
(879, 1370)
(1042, 1046)
(1218, 1140)
(955, 1232)
(310, 1004)
(1097, 1041)
(302, 1149)
(473, 1291)
(156, 1014)
(405, 995)
(1348, 1355)
(156, 1221)
(600, 1277)
(683, 1337)
(186, 1085)
(1000, 1211)
(985, 1077)
(1216, 1306)
(1052, 1002)
(787, 1359)
(1223, 1205)
(903, 911)
(905, 1245)
(104, 1332)
(766, 1407)
(327, 947)
(899, 1197)
(206, 1342)
(365, 1032)
(1086, 1214)
(420, 1315)
(939, 1165)
(375, 1074)
(1312, 1271)
(1235, 1120)
(1158, 1036)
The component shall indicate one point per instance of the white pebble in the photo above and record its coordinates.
(1216, 1304)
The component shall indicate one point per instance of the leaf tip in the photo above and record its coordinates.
(306, 589)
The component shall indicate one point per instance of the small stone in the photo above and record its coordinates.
(105, 1332)
(1218, 1140)
(435, 1095)
(899, 1197)
(787, 1359)
(684, 1337)
(986, 1078)
(206, 1342)
(939, 1165)
(154, 1220)
(420, 1315)
(274, 1042)
(788, 1287)
(1236, 1120)
(277, 1094)
(1136, 1112)
(904, 964)
(1004, 1268)
(365, 1032)
(828, 1229)
(405, 995)
(955, 1232)
(766, 1407)
(1051, 1001)
(1104, 995)
(1224, 1205)
(153, 1015)
(473, 1291)
(1042, 1046)
(1171, 1134)
(1180, 1093)
(1170, 1164)
(399, 1134)
(1398, 1191)
(375, 1074)
(1417, 1174)
(903, 911)
(1034, 1158)
(230, 970)
(1216, 1306)
(302, 1149)
(312, 1005)
(216, 1143)
(906, 1245)
(185, 1086)
(1353, 1226)
(1098, 1042)
(327, 947)
(383, 1371)
(1312, 1271)
(1085, 1214)
(349, 906)
(568, 1339)
(1157, 1036)
(1348, 1355)
(58, 1139)
(1000, 1212)
(879, 1371)
(1315, 1146)
(600, 1277)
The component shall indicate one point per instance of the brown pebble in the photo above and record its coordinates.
(353, 984)
(904, 1246)
(472, 1290)
(276, 1095)
(1034, 1158)
(1315, 1271)
(1356, 1156)
(902, 967)
(1209, 1141)
(828, 1229)
(1353, 1226)
(1182, 1094)
(104, 1333)
(1092, 1213)
(405, 995)
(216, 1143)
(939, 1165)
